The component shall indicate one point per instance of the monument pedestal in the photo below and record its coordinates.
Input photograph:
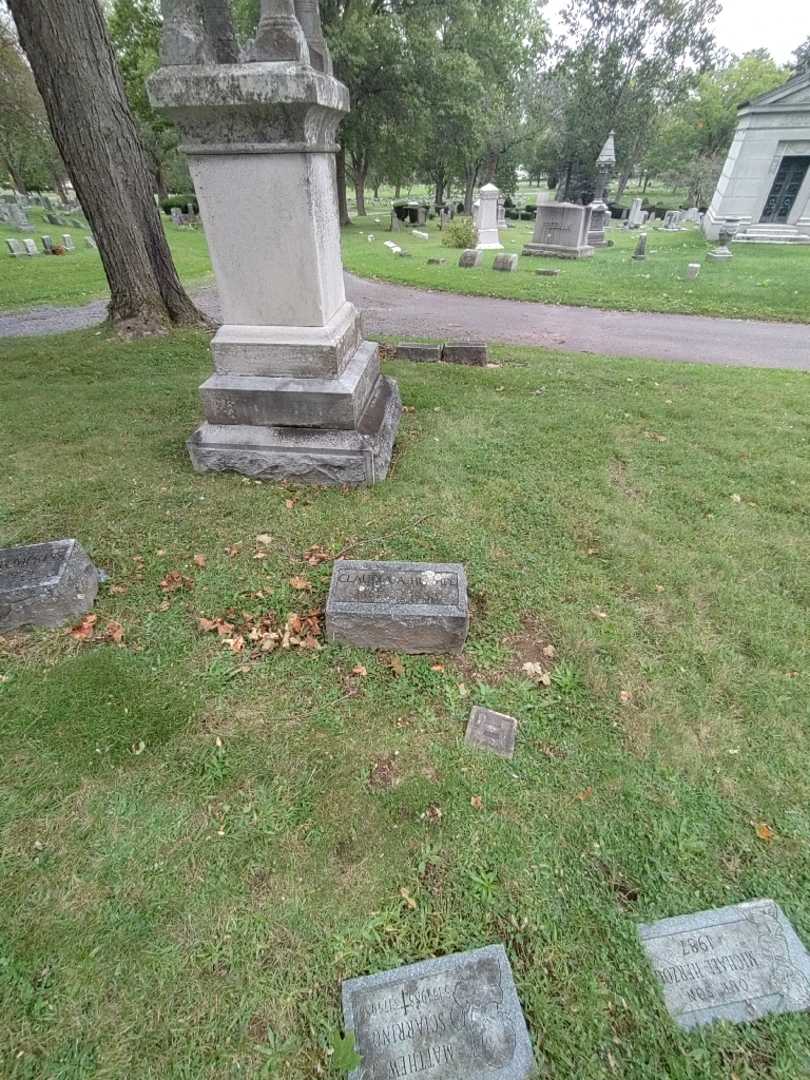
(296, 392)
(561, 231)
(487, 221)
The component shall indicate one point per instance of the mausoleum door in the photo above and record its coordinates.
(789, 179)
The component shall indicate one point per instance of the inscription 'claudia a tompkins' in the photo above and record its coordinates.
(396, 587)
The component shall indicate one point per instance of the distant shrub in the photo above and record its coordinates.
(181, 202)
(460, 233)
(527, 215)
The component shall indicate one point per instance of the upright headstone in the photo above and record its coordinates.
(634, 217)
(488, 238)
(45, 584)
(454, 1018)
(67, 242)
(30, 247)
(15, 248)
(91, 243)
(640, 254)
(47, 244)
(507, 262)
(561, 230)
(692, 271)
(396, 224)
(404, 607)
(723, 251)
(297, 393)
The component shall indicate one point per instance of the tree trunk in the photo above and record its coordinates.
(470, 180)
(398, 190)
(70, 53)
(624, 180)
(646, 182)
(343, 202)
(16, 179)
(359, 173)
(441, 183)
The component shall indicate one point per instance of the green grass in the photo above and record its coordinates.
(78, 276)
(192, 855)
(761, 282)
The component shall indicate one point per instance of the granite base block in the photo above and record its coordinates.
(45, 584)
(402, 607)
(294, 402)
(410, 350)
(554, 252)
(305, 455)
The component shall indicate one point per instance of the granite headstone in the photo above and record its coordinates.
(404, 607)
(455, 1018)
(45, 584)
(732, 963)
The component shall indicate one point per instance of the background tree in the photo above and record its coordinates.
(135, 27)
(802, 55)
(27, 150)
(691, 140)
(72, 58)
(622, 63)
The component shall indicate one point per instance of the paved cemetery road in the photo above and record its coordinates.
(401, 311)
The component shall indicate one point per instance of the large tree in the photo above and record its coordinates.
(72, 58)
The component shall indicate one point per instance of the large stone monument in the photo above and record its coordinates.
(600, 212)
(487, 221)
(561, 230)
(297, 393)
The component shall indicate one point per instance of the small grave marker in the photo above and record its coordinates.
(15, 248)
(489, 730)
(455, 1018)
(45, 584)
(30, 247)
(473, 353)
(692, 271)
(506, 262)
(405, 607)
(67, 242)
(471, 257)
(732, 963)
(411, 350)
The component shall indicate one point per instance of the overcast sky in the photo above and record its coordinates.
(778, 25)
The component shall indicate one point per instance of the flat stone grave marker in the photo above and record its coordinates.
(473, 353)
(404, 607)
(456, 1018)
(30, 247)
(490, 730)
(732, 963)
(15, 248)
(411, 350)
(45, 584)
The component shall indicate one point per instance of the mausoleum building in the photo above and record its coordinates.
(764, 190)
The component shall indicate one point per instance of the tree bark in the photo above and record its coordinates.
(624, 180)
(398, 190)
(70, 53)
(343, 202)
(359, 174)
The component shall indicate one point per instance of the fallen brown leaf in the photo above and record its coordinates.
(763, 831)
(359, 670)
(83, 631)
(115, 631)
(199, 560)
(174, 580)
(300, 583)
(409, 900)
(476, 802)
(586, 794)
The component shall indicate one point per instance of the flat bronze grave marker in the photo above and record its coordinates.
(456, 1018)
(490, 730)
(732, 963)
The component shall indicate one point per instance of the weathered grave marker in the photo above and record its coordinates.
(15, 248)
(506, 262)
(45, 584)
(67, 242)
(411, 350)
(732, 963)
(405, 607)
(490, 730)
(470, 258)
(30, 247)
(640, 254)
(455, 1018)
(47, 244)
(473, 353)
(692, 271)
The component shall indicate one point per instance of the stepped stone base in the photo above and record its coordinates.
(305, 455)
(558, 252)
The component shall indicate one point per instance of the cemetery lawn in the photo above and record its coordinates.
(197, 846)
(760, 282)
(78, 276)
